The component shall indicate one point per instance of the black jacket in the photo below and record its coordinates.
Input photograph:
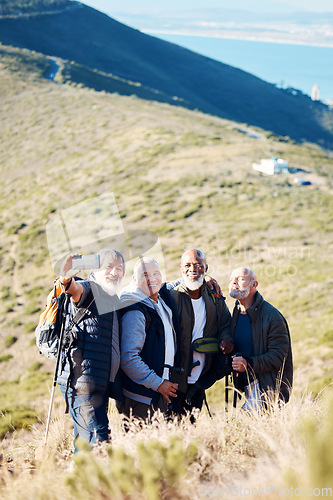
(272, 360)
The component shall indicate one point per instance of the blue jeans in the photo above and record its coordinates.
(90, 415)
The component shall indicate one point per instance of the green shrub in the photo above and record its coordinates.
(6, 292)
(30, 326)
(327, 338)
(10, 265)
(9, 307)
(14, 323)
(37, 365)
(5, 357)
(319, 443)
(159, 465)
(10, 340)
(32, 308)
(16, 417)
(34, 292)
(319, 384)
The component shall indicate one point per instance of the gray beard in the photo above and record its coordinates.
(240, 294)
(191, 284)
(109, 288)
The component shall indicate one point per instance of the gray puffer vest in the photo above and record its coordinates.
(87, 367)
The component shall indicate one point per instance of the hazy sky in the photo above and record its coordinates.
(143, 6)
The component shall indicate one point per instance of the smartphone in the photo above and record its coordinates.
(82, 262)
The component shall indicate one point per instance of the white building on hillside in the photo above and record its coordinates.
(315, 93)
(272, 166)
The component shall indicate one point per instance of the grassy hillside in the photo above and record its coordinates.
(92, 39)
(188, 177)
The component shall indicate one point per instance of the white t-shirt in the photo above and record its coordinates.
(199, 309)
(165, 314)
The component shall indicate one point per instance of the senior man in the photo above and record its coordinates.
(262, 343)
(88, 375)
(202, 313)
(150, 341)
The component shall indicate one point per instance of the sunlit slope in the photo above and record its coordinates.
(185, 175)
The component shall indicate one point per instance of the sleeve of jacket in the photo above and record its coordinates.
(132, 341)
(278, 343)
(224, 320)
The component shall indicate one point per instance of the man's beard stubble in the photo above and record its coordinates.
(240, 294)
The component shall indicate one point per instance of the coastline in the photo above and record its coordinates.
(269, 38)
(289, 69)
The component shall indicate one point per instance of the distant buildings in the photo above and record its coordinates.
(272, 166)
(315, 93)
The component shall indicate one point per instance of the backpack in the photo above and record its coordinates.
(49, 327)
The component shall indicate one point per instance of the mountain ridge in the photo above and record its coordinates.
(97, 41)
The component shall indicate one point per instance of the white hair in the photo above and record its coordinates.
(247, 272)
(110, 254)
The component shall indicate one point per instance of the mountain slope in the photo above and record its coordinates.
(184, 175)
(187, 177)
(97, 41)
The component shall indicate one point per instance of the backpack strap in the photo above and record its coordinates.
(69, 341)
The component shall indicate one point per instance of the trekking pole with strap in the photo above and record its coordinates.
(207, 407)
(226, 389)
(236, 379)
(64, 310)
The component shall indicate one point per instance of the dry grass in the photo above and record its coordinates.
(278, 449)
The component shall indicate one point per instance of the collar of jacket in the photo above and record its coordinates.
(253, 310)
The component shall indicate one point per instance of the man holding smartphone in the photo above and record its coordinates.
(89, 371)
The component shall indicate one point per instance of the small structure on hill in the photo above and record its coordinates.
(272, 166)
(315, 93)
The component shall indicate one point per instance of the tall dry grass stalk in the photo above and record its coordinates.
(233, 454)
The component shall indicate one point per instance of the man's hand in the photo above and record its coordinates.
(226, 346)
(66, 275)
(239, 364)
(213, 284)
(66, 271)
(167, 389)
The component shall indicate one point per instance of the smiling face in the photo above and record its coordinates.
(110, 274)
(242, 283)
(148, 278)
(193, 268)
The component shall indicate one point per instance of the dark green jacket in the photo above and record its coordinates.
(272, 361)
(218, 321)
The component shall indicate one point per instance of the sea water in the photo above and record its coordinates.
(286, 65)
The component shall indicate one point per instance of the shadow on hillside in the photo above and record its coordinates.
(107, 55)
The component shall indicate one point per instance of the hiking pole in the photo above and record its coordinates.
(62, 332)
(235, 396)
(226, 392)
(236, 379)
(226, 389)
(207, 407)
